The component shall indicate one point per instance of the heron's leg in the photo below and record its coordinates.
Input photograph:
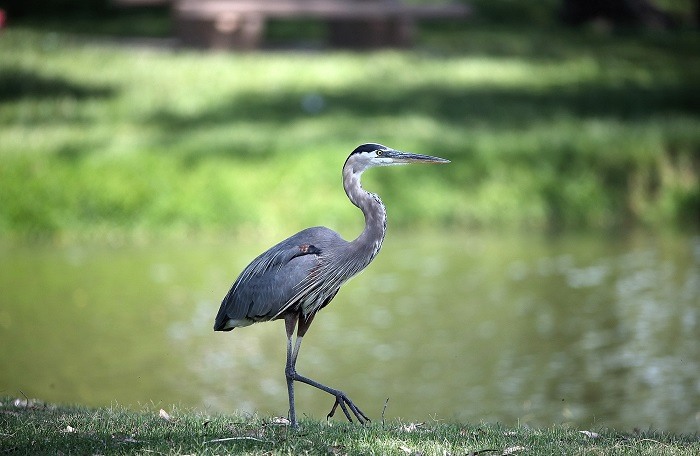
(340, 398)
(290, 322)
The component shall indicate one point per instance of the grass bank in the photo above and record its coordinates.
(32, 427)
(546, 128)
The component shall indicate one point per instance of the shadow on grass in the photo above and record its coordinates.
(497, 107)
(17, 84)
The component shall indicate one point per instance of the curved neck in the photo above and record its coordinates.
(372, 208)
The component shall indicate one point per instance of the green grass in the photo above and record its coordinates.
(546, 128)
(33, 427)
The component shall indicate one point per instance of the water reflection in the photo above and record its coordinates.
(581, 329)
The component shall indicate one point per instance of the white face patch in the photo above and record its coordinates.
(367, 160)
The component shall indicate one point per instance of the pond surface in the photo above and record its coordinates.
(593, 330)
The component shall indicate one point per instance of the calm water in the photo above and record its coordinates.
(591, 330)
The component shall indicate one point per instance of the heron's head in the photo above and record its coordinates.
(370, 155)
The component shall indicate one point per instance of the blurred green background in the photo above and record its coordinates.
(109, 128)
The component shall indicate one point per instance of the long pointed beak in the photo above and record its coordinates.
(406, 157)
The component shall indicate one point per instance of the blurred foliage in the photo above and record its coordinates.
(510, 12)
(547, 128)
(39, 8)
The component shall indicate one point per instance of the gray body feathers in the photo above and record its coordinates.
(282, 277)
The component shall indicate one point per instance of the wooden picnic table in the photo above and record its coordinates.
(240, 24)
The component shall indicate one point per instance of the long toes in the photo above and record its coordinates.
(339, 401)
(346, 403)
(359, 414)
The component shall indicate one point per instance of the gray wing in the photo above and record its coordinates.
(269, 283)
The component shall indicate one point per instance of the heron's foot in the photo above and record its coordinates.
(347, 406)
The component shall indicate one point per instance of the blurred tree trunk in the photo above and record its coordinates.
(619, 12)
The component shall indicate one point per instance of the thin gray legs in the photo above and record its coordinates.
(341, 399)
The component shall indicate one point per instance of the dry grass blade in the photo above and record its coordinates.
(164, 415)
(229, 439)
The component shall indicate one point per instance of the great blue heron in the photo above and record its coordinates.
(299, 276)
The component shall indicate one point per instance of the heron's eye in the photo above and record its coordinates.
(379, 153)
